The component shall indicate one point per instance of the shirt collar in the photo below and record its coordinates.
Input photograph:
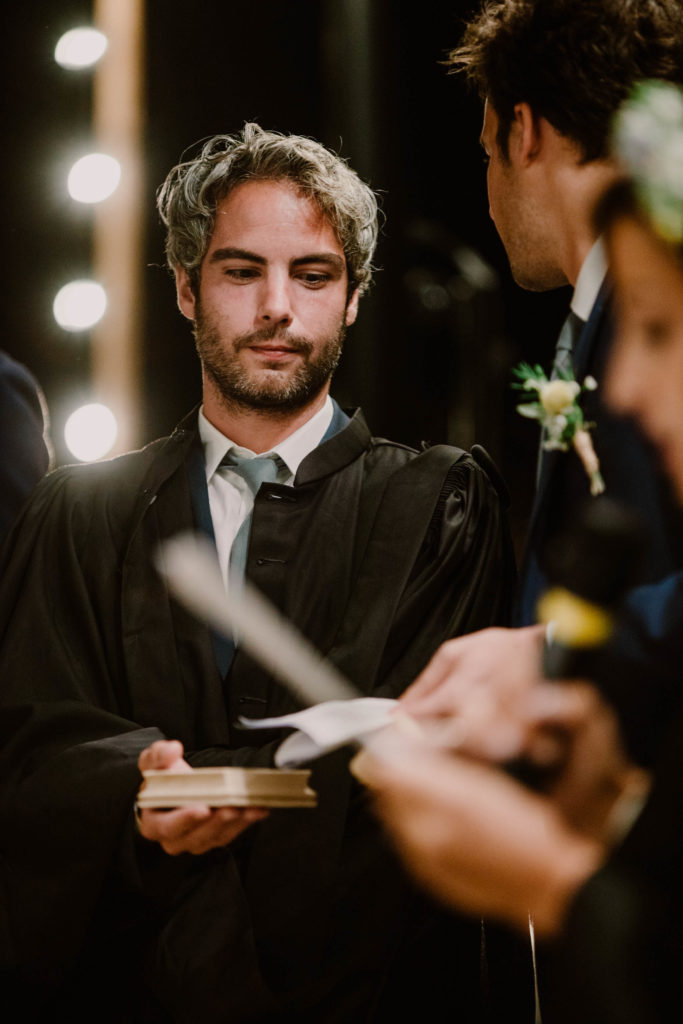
(589, 281)
(293, 450)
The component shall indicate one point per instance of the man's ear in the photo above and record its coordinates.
(352, 308)
(526, 134)
(186, 297)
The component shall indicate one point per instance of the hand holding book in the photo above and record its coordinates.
(193, 828)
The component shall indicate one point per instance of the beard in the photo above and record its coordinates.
(273, 388)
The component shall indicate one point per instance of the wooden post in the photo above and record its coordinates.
(118, 239)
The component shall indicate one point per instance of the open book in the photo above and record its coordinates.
(227, 787)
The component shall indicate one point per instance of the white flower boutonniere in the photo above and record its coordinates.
(554, 403)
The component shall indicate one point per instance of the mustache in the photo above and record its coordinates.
(274, 333)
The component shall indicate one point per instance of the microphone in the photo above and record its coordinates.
(590, 566)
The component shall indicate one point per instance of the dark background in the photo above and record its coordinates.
(430, 355)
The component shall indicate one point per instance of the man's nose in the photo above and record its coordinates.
(275, 304)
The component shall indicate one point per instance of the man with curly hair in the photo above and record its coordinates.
(376, 552)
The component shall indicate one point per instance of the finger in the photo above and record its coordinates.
(443, 701)
(220, 829)
(569, 705)
(497, 741)
(177, 830)
(165, 826)
(441, 665)
(392, 766)
(161, 754)
(367, 769)
(548, 748)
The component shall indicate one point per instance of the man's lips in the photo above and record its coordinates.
(273, 345)
(274, 351)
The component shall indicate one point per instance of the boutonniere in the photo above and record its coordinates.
(555, 404)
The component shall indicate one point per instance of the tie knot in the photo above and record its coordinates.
(256, 469)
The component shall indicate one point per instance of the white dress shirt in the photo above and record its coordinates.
(589, 281)
(230, 499)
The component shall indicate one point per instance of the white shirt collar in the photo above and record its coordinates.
(589, 281)
(293, 450)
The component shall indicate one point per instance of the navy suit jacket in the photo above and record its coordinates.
(653, 614)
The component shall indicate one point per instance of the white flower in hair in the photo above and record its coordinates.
(665, 103)
(648, 140)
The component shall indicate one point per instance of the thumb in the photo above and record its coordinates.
(160, 755)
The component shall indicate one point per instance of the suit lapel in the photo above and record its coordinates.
(223, 646)
(586, 344)
(531, 579)
(580, 361)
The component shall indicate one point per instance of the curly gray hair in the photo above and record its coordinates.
(192, 191)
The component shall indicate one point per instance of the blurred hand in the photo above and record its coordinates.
(485, 843)
(196, 828)
(572, 730)
(473, 685)
(477, 839)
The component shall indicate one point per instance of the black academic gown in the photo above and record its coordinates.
(25, 456)
(377, 553)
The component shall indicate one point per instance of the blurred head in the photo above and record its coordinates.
(572, 61)
(189, 198)
(642, 221)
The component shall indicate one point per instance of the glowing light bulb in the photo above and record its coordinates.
(90, 432)
(80, 48)
(94, 178)
(79, 305)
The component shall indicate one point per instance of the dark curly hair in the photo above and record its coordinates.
(572, 61)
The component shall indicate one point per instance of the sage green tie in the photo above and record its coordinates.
(562, 367)
(569, 335)
(254, 470)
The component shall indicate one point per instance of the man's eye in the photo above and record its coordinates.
(314, 279)
(241, 273)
